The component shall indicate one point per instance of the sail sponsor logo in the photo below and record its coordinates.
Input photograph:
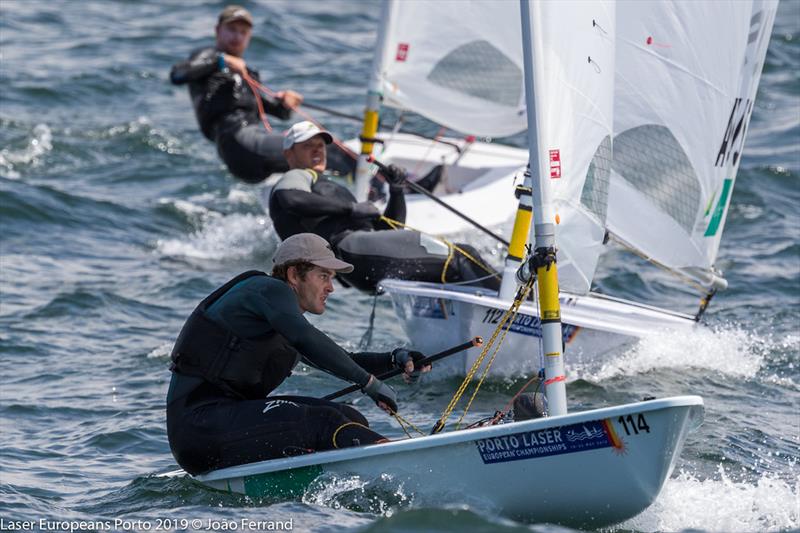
(733, 139)
(555, 441)
(719, 210)
(402, 52)
(555, 164)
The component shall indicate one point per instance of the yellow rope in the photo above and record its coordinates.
(512, 311)
(396, 224)
(510, 314)
(494, 355)
(403, 423)
(342, 427)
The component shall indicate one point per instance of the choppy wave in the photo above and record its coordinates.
(118, 217)
(720, 504)
(730, 350)
(27, 151)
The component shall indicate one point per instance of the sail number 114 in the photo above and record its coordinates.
(634, 427)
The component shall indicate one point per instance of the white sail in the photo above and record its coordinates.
(458, 63)
(686, 78)
(574, 64)
(687, 74)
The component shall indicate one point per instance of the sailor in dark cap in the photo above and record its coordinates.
(224, 104)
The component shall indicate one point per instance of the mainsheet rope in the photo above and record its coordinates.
(257, 87)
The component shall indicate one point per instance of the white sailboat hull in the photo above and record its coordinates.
(592, 468)
(483, 176)
(436, 317)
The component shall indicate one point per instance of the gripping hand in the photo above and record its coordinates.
(401, 357)
(395, 175)
(381, 393)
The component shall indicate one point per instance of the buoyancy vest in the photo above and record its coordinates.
(247, 369)
(327, 226)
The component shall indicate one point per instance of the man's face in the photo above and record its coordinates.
(308, 154)
(313, 290)
(234, 37)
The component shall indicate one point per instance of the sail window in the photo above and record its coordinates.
(650, 158)
(595, 189)
(480, 70)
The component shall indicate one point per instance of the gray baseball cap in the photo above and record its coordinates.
(303, 131)
(234, 12)
(311, 248)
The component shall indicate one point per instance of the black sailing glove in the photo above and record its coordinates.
(381, 392)
(401, 356)
(395, 176)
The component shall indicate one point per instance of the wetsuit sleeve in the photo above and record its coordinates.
(275, 107)
(374, 362)
(285, 317)
(293, 193)
(395, 208)
(199, 65)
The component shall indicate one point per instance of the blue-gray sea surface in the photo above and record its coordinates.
(117, 217)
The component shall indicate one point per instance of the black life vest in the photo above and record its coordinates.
(247, 369)
(328, 227)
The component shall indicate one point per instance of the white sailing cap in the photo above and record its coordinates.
(303, 131)
(311, 248)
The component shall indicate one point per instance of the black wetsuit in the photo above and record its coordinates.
(227, 112)
(301, 202)
(238, 345)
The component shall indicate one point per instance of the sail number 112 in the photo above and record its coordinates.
(631, 426)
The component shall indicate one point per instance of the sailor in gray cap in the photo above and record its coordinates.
(242, 342)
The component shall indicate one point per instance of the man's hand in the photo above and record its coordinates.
(364, 210)
(406, 360)
(382, 393)
(235, 64)
(289, 99)
(395, 175)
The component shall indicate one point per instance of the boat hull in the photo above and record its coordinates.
(436, 317)
(477, 174)
(588, 469)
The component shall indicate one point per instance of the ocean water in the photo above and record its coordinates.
(117, 217)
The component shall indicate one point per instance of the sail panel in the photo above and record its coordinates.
(480, 70)
(687, 75)
(652, 161)
(574, 58)
(458, 63)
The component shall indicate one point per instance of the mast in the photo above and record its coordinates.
(543, 259)
(372, 109)
(519, 236)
